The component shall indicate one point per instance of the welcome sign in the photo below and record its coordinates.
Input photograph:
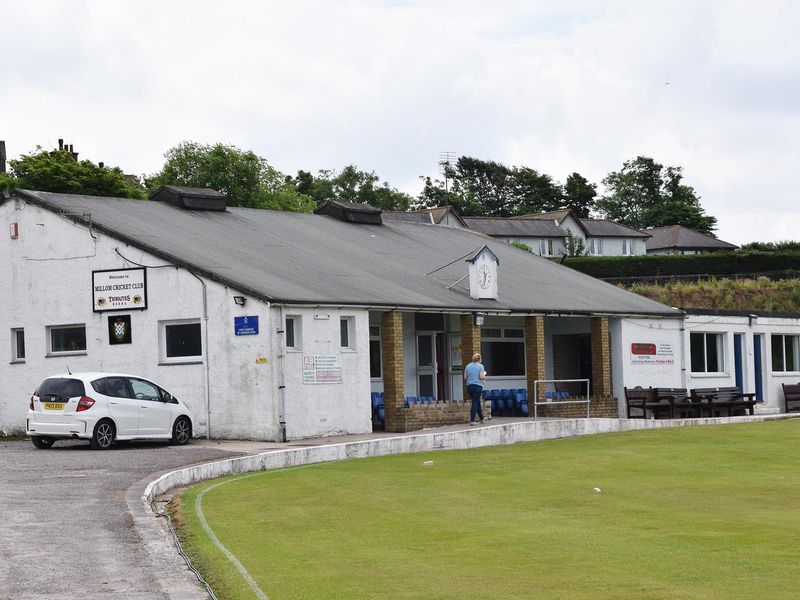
(120, 289)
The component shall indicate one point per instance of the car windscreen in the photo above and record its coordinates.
(61, 388)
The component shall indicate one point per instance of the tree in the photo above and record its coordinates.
(579, 195)
(58, 171)
(575, 245)
(645, 194)
(351, 185)
(534, 191)
(243, 176)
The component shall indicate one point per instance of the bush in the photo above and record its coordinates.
(720, 263)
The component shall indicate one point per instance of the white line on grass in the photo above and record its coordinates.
(198, 502)
(228, 554)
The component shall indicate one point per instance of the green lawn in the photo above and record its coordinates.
(697, 512)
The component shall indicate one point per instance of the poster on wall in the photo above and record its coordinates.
(119, 289)
(652, 353)
(455, 353)
(321, 369)
(245, 325)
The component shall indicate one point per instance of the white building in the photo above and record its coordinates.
(274, 325)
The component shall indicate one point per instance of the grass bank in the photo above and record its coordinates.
(700, 512)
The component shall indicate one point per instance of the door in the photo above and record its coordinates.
(123, 407)
(441, 366)
(737, 360)
(757, 362)
(426, 364)
(155, 416)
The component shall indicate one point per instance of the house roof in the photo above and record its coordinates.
(606, 228)
(683, 238)
(553, 215)
(426, 215)
(307, 259)
(515, 227)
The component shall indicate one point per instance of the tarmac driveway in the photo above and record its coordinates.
(65, 529)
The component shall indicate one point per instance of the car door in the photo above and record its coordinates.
(155, 416)
(121, 404)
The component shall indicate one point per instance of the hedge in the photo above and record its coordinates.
(717, 264)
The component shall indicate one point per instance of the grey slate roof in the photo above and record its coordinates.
(315, 259)
(682, 238)
(606, 228)
(416, 216)
(515, 227)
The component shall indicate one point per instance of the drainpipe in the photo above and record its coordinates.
(683, 353)
(205, 357)
(282, 372)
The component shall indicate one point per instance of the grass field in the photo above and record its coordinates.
(699, 512)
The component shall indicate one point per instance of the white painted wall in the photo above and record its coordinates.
(612, 246)
(47, 278)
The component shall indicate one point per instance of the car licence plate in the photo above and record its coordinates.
(54, 405)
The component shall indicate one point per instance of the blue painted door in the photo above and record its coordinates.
(737, 360)
(757, 364)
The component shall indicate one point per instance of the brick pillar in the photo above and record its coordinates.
(534, 354)
(392, 363)
(470, 344)
(601, 358)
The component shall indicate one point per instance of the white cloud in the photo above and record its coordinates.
(558, 86)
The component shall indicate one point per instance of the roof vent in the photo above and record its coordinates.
(190, 198)
(350, 212)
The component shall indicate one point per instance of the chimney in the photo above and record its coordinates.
(2, 156)
(60, 143)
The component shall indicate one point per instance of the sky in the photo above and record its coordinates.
(559, 86)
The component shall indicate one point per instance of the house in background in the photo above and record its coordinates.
(544, 237)
(676, 239)
(441, 215)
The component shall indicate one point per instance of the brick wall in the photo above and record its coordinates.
(420, 416)
(600, 406)
(470, 344)
(601, 357)
(534, 352)
(392, 358)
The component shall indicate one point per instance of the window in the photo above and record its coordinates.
(595, 246)
(375, 352)
(66, 339)
(18, 345)
(181, 341)
(503, 351)
(707, 352)
(785, 353)
(546, 247)
(144, 390)
(116, 387)
(627, 247)
(346, 332)
(293, 338)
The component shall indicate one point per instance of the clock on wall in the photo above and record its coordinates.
(484, 276)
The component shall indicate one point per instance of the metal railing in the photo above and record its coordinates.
(554, 400)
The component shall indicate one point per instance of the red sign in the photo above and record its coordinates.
(643, 349)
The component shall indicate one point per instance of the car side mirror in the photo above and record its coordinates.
(166, 397)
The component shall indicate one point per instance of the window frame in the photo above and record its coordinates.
(546, 247)
(508, 335)
(375, 338)
(595, 246)
(349, 331)
(720, 348)
(162, 343)
(297, 333)
(16, 357)
(50, 329)
(794, 340)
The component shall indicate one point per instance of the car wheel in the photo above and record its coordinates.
(103, 435)
(42, 442)
(181, 431)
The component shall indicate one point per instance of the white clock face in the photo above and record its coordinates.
(484, 276)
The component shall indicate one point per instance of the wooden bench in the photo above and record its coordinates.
(636, 399)
(681, 404)
(791, 397)
(728, 398)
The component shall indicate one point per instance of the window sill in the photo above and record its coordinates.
(294, 350)
(57, 354)
(712, 374)
(792, 374)
(179, 363)
(348, 350)
(19, 361)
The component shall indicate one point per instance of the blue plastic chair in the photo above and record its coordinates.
(411, 400)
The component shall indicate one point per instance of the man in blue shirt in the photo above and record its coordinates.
(474, 375)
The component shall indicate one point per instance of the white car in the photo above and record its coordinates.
(103, 408)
